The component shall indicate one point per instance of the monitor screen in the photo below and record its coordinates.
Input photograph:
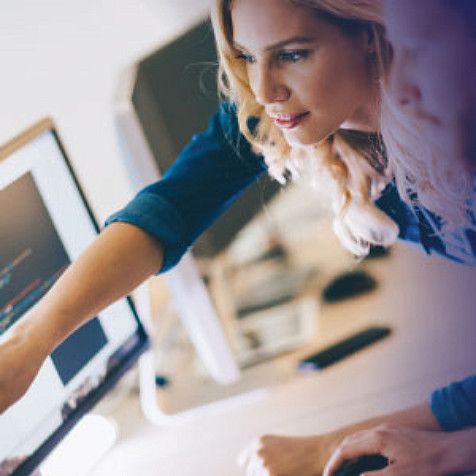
(45, 223)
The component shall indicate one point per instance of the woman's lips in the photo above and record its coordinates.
(288, 121)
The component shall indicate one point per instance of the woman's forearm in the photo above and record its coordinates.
(121, 258)
(115, 264)
(458, 452)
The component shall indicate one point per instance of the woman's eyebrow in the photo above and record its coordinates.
(280, 44)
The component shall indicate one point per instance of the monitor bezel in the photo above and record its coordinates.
(140, 336)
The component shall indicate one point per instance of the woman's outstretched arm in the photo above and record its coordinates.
(120, 258)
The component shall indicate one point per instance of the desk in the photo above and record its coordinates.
(430, 345)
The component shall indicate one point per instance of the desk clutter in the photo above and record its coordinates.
(344, 348)
(269, 288)
(348, 284)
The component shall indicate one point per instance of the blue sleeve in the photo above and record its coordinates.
(207, 177)
(401, 213)
(421, 226)
(454, 406)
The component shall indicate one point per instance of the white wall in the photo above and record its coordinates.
(63, 58)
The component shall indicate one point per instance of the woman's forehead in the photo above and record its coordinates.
(263, 23)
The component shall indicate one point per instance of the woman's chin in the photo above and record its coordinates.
(300, 139)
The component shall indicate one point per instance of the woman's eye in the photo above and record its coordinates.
(293, 56)
(245, 57)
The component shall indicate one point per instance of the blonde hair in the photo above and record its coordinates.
(355, 167)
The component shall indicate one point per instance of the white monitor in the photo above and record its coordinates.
(45, 224)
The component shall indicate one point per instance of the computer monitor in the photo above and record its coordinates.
(45, 223)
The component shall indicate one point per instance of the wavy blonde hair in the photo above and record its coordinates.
(355, 167)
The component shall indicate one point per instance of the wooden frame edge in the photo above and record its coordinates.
(45, 124)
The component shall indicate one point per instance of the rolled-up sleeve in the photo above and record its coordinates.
(207, 177)
(454, 406)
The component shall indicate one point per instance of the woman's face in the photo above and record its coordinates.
(433, 75)
(310, 77)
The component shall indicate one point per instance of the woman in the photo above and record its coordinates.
(158, 226)
(433, 82)
(313, 74)
(316, 92)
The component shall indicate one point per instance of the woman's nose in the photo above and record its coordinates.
(404, 82)
(268, 86)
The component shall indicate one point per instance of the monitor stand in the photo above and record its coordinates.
(147, 374)
(82, 448)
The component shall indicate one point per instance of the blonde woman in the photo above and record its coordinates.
(311, 75)
(322, 73)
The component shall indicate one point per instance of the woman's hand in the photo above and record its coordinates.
(21, 356)
(287, 456)
(409, 451)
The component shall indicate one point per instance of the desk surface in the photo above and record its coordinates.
(425, 301)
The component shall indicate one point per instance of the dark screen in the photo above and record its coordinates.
(31, 253)
(32, 257)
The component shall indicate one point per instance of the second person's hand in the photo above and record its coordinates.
(409, 451)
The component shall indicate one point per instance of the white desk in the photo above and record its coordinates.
(428, 304)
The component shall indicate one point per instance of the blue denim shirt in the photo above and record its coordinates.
(217, 166)
(207, 177)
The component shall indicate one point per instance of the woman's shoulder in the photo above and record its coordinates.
(420, 225)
